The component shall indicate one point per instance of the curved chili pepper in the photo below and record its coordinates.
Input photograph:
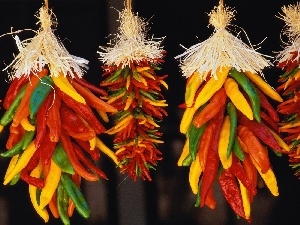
(261, 131)
(61, 159)
(249, 88)
(47, 149)
(10, 112)
(238, 171)
(265, 104)
(95, 154)
(13, 90)
(194, 135)
(90, 86)
(231, 192)
(33, 163)
(216, 102)
(254, 147)
(82, 110)
(68, 147)
(212, 163)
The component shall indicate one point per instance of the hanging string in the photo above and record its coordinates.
(129, 5)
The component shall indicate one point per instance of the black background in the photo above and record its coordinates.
(85, 25)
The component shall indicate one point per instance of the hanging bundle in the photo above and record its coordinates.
(228, 118)
(53, 140)
(134, 89)
(289, 60)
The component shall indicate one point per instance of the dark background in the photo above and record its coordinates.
(83, 26)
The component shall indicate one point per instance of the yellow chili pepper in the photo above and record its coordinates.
(269, 178)
(128, 102)
(211, 87)
(120, 125)
(11, 165)
(51, 184)
(92, 143)
(103, 116)
(263, 85)
(142, 68)
(111, 100)
(280, 141)
(164, 84)
(107, 151)
(27, 125)
(245, 199)
(186, 119)
(156, 103)
(185, 152)
(237, 98)
(32, 193)
(194, 175)
(147, 74)
(22, 162)
(64, 85)
(192, 86)
(223, 143)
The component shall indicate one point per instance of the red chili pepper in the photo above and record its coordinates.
(71, 121)
(82, 110)
(87, 162)
(257, 151)
(269, 121)
(232, 192)
(15, 135)
(24, 175)
(90, 86)
(238, 171)
(47, 148)
(41, 119)
(53, 206)
(261, 131)
(210, 200)
(212, 162)
(95, 154)
(265, 104)
(92, 99)
(53, 119)
(217, 101)
(250, 171)
(13, 90)
(78, 167)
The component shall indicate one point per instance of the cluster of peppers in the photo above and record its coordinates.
(289, 108)
(230, 120)
(53, 140)
(135, 91)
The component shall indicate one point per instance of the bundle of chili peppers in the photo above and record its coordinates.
(229, 121)
(288, 60)
(53, 141)
(134, 89)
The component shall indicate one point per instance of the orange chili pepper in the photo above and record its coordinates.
(256, 149)
(23, 109)
(53, 119)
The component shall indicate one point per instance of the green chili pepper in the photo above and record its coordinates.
(62, 204)
(187, 161)
(115, 76)
(231, 110)
(61, 159)
(10, 112)
(117, 92)
(136, 75)
(197, 202)
(126, 72)
(39, 94)
(75, 194)
(20, 146)
(148, 95)
(194, 135)
(237, 150)
(250, 90)
(15, 179)
(290, 73)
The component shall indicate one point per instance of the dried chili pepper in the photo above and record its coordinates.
(231, 192)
